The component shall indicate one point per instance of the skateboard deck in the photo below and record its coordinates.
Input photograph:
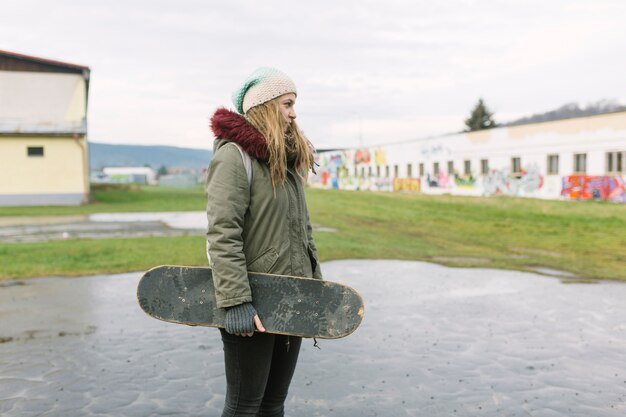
(286, 305)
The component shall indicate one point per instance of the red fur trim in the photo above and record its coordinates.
(234, 127)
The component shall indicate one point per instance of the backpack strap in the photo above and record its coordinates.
(247, 162)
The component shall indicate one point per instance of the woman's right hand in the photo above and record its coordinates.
(258, 325)
(242, 319)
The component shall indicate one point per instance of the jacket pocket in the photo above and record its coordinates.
(264, 262)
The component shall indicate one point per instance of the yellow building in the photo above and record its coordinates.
(43, 131)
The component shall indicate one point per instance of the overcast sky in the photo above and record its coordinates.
(367, 72)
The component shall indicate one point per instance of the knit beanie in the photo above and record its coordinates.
(263, 85)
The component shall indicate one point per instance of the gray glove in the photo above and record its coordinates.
(240, 319)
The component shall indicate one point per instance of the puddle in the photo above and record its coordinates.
(105, 226)
(460, 259)
(553, 272)
(11, 283)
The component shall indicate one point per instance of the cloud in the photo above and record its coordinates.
(379, 71)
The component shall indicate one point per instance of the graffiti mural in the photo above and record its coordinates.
(431, 151)
(362, 156)
(441, 180)
(505, 183)
(406, 184)
(586, 187)
(334, 171)
(465, 181)
(380, 157)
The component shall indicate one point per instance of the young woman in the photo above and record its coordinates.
(258, 221)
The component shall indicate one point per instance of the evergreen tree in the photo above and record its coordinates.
(481, 118)
(162, 170)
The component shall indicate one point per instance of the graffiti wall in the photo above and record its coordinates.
(406, 184)
(587, 187)
(443, 180)
(335, 170)
(503, 182)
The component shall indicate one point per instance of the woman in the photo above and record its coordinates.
(258, 221)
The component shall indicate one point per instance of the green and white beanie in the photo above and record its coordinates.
(263, 85)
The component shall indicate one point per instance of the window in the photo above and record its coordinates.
(369, 171)
(395, 171)
(516, 165)
(580, 162)
(436, 168)
(362, 172)
(615, 162)
(409, 170)
(356, 173)
(450, 167)
(484, 166)
(421, 170)
(35, 151)
(378, 171)
(386, 171)
(467, 167)
(553, 164)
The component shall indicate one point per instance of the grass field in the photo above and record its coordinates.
(587, 239)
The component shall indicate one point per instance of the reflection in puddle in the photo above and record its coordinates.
(105, 225)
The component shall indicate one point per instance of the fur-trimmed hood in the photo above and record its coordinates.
(233, 127)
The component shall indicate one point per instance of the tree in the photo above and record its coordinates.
(481, 118)
(162, 170)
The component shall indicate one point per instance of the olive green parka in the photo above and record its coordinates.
(250, 228)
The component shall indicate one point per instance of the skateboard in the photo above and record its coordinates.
(287, 305)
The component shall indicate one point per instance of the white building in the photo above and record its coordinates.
(579, 158)
(43, 131)
(140, 175)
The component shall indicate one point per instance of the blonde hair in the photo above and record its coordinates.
(269, 121)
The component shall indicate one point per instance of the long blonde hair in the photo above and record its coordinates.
(268, 120)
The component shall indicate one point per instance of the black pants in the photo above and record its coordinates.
(258, 373)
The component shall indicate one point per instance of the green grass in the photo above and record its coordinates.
(83, 257)
(585, 238)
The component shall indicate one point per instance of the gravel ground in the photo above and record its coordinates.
(435, 341)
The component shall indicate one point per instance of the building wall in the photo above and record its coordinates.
(33, 101)
(593, 136)
(49, 110)
(58, 177)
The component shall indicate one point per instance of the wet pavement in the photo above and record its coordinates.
(435, 341)
(101, 226)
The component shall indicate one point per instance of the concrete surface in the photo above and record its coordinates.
(435, 341)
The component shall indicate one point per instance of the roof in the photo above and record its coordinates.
(34, 129)
(13, 61)
(37, 95)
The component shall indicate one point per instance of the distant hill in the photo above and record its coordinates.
(569, 111)
(107, 155)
